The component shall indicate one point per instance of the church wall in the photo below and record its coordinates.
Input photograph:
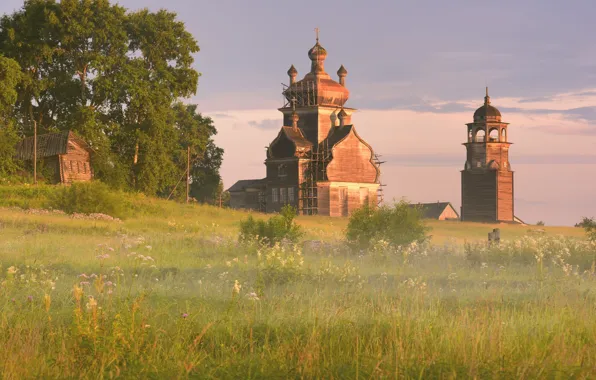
(331, 200)
(479, 196)
(280, 183)
(497, 152)
(505, 196)
(351, 162)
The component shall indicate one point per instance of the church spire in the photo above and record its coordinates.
(487, 98)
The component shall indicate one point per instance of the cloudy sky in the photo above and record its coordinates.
(416, 72)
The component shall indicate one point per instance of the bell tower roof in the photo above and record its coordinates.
(487, 112)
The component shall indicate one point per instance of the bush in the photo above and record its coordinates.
(89, 198)
(589, 225)
(398, 225)
(275, 230)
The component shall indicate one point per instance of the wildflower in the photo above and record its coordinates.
(83, 283)
(77, 292)
(149, 247)
(91, 303)
(12, 270)
(30, 298)
(228, 263)
(484, 266)
(252, 296)
(235, 259)
(110, 249)
(47, 300)
(237, 287)
(147, 326)
(184, 315)
(102, 257)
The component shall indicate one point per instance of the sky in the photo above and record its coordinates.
(416, 73)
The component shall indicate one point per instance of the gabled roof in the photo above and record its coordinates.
(245, 184)
(49, 144)
(296, 136)
(433, 210)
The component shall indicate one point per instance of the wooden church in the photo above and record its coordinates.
(317, 162)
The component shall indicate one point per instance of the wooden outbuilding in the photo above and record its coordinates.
(437, 211)
(67, 156)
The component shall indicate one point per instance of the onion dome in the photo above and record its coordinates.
(487, 112)
(342, 72)
(317, 88)
(292, 71)
(317, 53)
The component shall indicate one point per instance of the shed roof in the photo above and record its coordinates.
(433, 210)
(49, 144)
(246, 183)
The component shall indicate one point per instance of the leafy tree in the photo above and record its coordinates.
(10, 75)
(589, 225)
(398, 225)
(115, 77)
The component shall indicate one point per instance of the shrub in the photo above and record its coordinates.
(398, 225)
(589, 225)
(274, 230)
(88, 198)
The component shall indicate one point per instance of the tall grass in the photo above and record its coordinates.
(179, 297)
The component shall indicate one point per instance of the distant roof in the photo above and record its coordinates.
(246, 183)
(433, 210)
(49, 144)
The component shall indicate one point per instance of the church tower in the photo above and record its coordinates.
(487, 179)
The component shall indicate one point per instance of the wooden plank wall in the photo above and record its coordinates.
(76, 165)
(479, 196)
(505, 196)
(351, 162)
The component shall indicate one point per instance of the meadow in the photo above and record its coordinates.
(171, 293)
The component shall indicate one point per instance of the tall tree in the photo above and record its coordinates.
(10, 76)
(110, 75)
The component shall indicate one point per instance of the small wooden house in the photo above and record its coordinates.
(438, 211)
(66, 155)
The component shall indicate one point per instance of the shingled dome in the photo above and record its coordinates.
(317, 52)
(487, 112)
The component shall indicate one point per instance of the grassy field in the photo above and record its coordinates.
(174, 295)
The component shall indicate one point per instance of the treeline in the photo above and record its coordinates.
(116, 78)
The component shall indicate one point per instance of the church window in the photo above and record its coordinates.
(291, 194)
(364, 195)
(283, 195)
(282, 171)
(275, 195)
(478, 164)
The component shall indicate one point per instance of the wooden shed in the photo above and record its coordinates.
(66, 155)
(438, 211)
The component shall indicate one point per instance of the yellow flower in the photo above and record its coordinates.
(12, 270)
(237, 287)
(78, 292)
(47, 300)
(92, 304)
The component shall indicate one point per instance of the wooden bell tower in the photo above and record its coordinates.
(487, 179)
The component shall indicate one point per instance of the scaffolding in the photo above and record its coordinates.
(305, 93)
(380, 194)
(314, 172)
